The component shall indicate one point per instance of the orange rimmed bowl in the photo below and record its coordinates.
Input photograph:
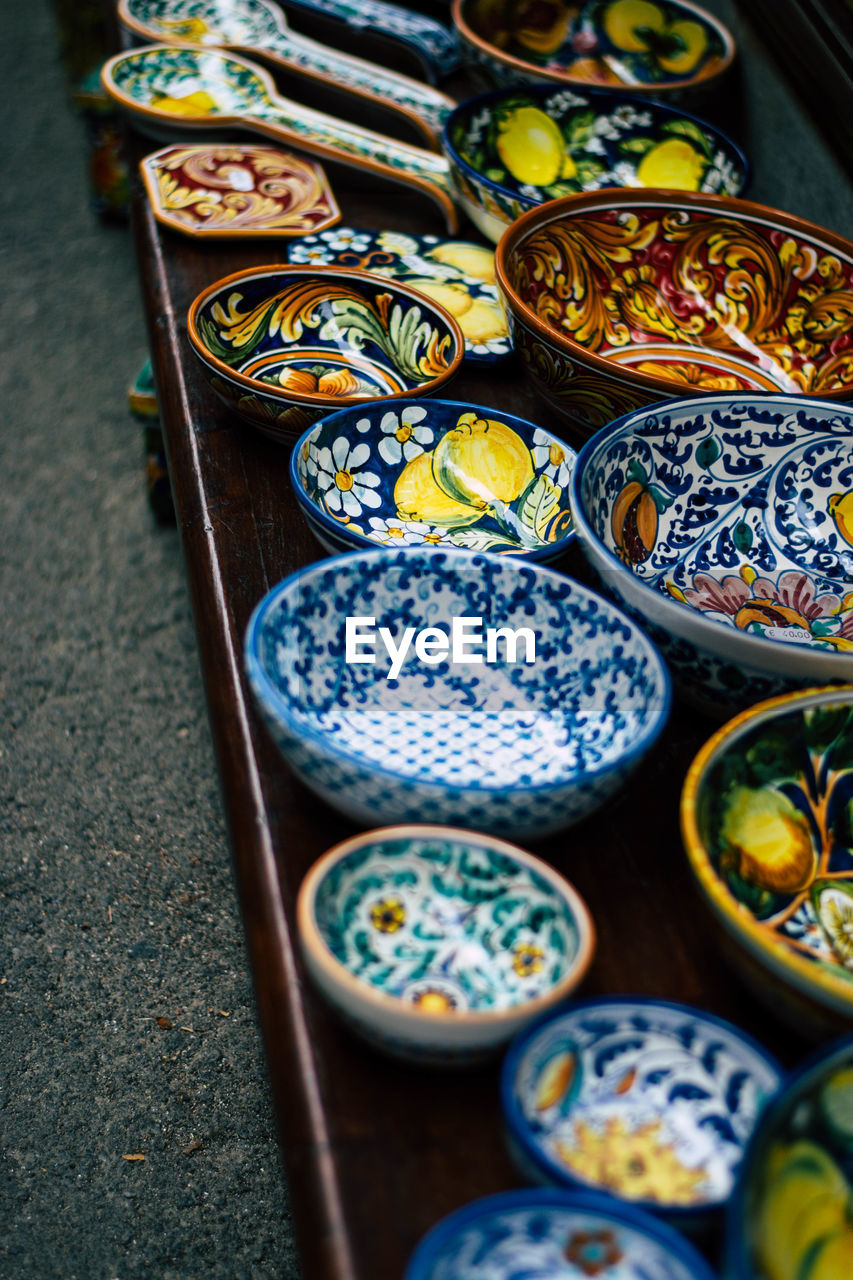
(282, 346)
(620, 299)
(766, 818)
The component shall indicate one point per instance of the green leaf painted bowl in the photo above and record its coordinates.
(282, 346)
(439, 944)
(767, 824)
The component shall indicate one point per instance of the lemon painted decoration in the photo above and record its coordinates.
(439, 473)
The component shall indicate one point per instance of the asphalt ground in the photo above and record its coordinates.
(127, 1025)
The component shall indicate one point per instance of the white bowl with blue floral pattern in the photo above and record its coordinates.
(649, 1101)
(439, 944)
(461, 727)
(541, 1233)
(434, 473)
(726, 524)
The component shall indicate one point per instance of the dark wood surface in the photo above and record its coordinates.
(377, 1152)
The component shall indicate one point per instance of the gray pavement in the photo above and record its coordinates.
(117, 906)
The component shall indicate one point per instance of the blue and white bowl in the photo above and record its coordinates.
(438, 944)
(726, 524)
(548, 1234)
(649, 1101)
(434, 473)
(517, 747)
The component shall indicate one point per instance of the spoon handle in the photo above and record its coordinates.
(334, 139)
(425, 107)
(435, 46)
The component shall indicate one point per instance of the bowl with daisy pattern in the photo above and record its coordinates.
(281, 346)
(518, 147)
(649, 1101)
(454, 687)
(767, 825)
(439, 944)
(726, 524)
(412, 473)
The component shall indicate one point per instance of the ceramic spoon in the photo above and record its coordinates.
(255, 26)
(173, 89)
(436, 47)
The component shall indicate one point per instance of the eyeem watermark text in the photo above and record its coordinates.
(467, 643)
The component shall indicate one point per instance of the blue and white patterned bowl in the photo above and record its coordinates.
(518, 147)
(726, 524)
(510, 746)
(438, 944)
(547, 1234)
(649, 1101)
(434, 473)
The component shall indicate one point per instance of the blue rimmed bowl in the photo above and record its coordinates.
(434, 473)
(518, 147)
(726, 524)
(648, 1101)
(282, 346)
(540, 1233)
(510, 745)
(789, 1218)
(438, 944)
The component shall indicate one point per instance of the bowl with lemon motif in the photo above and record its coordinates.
(766, 814)
(649, 1101)
(518, 147)
(439, 944)
(444, 685)
(619, 299)
(670, 49)
(725, 523)
(281, 346)
(790, 1214)
(434, 473)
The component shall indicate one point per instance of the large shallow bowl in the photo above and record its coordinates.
(543, 1233)
(766, 821)
(665, 49)
(725, 524)
(517, 747)
(789, 1218)
(649, 1101)
(514, 149)
(284, 345)
(620, 299)
(438, 944)
(434, 473)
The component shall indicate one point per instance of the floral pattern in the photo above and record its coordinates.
(650, 1102)
(344, 485)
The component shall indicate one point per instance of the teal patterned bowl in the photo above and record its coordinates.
(282, 346)
(437, 944)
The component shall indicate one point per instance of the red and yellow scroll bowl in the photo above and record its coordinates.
(283, 346)
(618, 299)
(766, 821)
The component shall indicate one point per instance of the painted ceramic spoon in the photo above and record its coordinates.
(183, 89)
(257, 27)
(436, 48)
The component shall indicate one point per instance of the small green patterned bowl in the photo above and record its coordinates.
(437, 944)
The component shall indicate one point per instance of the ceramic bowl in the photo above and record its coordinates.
(284, 345)
(458, 274)
(620, 299)
(438, 944)
(723, 522)
(789, 1216)
(649, 1101)
(434, 473)
(512, 150)
(766, 823)
(490, 740)
(540, 1233)
(665, 49)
